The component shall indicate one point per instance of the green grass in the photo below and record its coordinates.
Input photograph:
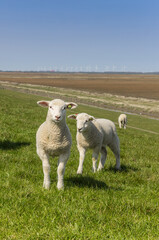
(104, 205)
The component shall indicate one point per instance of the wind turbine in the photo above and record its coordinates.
(124, 68)
(89, 68)
(114, 67)
(96, 68)
(71, 68)
(80, 68)
(107, 68)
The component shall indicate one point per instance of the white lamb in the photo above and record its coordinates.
(53, 138)
(96, 134)
(122, 120)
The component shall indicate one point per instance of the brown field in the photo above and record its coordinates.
(133, 85)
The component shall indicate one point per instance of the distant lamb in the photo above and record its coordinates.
(122, 120)
(53, 138)
(96, 134)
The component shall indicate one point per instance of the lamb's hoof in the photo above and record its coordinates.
(118, 168)
(60, 186)
(46, 185)
(79, 172)
(99, 169)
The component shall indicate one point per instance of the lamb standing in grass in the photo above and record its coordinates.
(122, 120)
(96, 134)
(53, 138)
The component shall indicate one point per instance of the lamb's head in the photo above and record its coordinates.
(83, 121)
(57, 108)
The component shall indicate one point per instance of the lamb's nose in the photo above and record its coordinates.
(57, 117)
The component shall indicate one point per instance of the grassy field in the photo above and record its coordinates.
(105, 205)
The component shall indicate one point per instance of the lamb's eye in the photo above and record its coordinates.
(51, 107)
(63, 108)
(86, 121)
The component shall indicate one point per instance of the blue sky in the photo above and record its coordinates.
(74, 35)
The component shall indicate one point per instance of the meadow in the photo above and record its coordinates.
(104, 205)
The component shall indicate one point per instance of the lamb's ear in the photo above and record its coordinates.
(71, 105)
(43, 103)
(91, 118)
(72, 116)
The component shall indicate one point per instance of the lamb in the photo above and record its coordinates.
(95, 134)
(122, 120)
(53, 138)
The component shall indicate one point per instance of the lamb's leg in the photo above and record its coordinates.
(61, 169)
(46, 168)
(82, 153)
(119, 124)
(115, 147)
(94, 159)
(103, 158)
(124, 124)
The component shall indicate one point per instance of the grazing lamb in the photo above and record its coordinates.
(96, 134)
(53, 138)
(122, 120)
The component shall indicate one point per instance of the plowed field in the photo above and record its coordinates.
(134, 85)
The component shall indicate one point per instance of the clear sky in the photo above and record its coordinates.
(74, 35)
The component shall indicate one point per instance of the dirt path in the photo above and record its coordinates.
(149, 107)
(141, 129)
